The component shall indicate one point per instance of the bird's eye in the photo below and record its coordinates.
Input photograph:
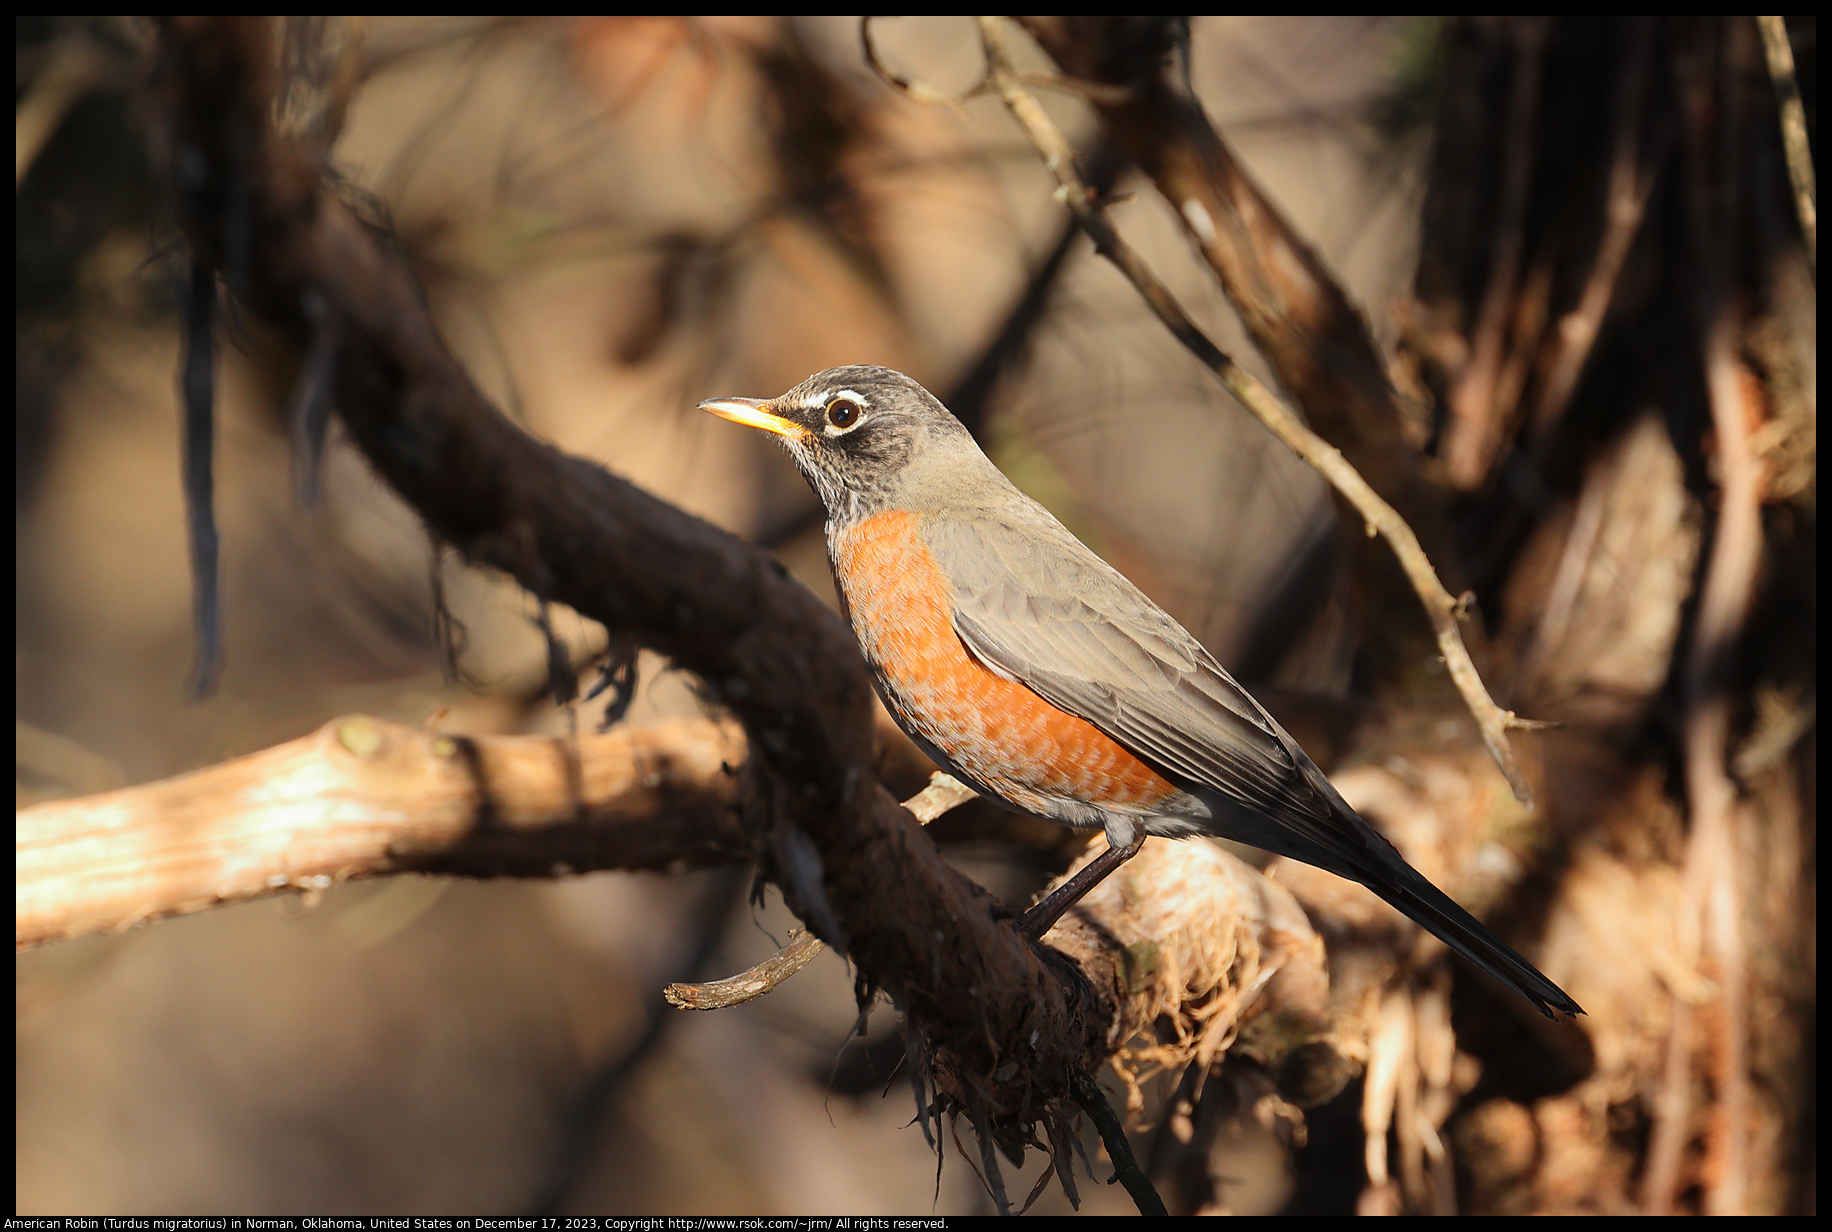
(843, 413)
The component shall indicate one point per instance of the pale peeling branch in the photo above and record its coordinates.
(363, 797)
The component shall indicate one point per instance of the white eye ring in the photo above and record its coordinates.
(844, 411)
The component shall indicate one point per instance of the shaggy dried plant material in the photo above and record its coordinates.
(1206, 945)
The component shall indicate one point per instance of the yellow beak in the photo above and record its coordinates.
(752, 413)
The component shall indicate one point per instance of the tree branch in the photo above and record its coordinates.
(363, 797)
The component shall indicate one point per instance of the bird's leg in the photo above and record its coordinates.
(1039, 918)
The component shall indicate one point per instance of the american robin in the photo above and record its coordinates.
(1041, 677)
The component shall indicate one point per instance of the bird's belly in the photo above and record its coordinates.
(994, 732)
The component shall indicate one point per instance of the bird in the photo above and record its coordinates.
(1036, 673)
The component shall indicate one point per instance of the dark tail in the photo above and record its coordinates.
(1345, 844)
(1438, 914)
(1309, 821)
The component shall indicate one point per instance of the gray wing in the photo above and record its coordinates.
(1037, 607)
(1033, 604)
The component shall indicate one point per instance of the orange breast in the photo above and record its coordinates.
(1018, 744)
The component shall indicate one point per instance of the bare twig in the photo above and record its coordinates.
(1379, 517)
(1126, 1168)
(802, 948)
(943, 793)
(1780, 54)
